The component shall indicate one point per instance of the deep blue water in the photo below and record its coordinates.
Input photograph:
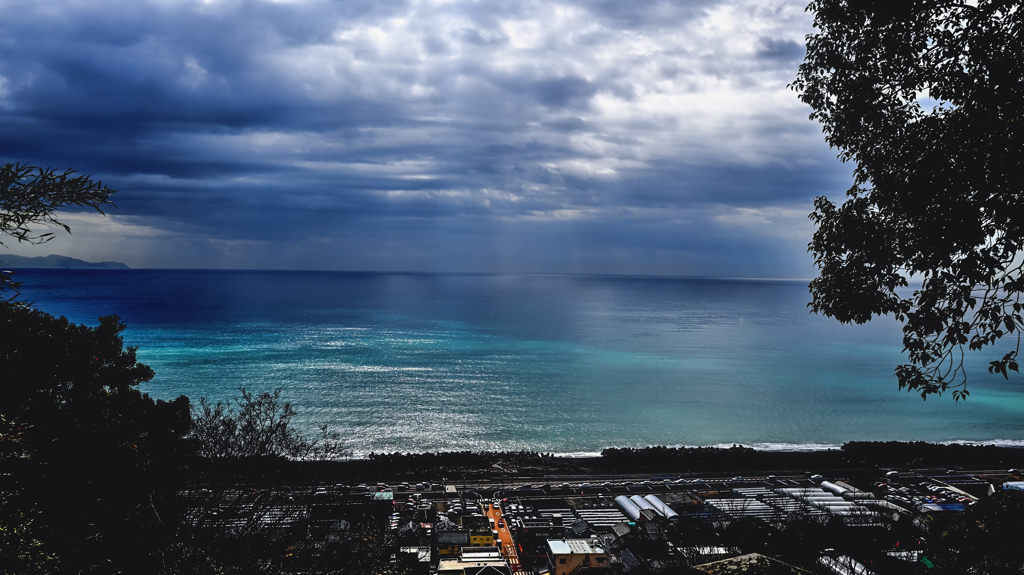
(565, 364)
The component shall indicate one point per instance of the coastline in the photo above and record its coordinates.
(852, 459)
(758, 447)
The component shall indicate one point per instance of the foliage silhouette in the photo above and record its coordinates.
(988, 538)
(926, 99)
(258, 426)
(30, 196)
(20, 549)
(100, 461)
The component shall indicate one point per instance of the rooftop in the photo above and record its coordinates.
(572, 547)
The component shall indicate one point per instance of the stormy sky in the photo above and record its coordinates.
(565, 136)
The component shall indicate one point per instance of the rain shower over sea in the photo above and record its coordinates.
(562, 364)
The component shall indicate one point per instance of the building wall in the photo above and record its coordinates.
(481, 541)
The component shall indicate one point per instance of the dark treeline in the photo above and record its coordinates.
(855, 457)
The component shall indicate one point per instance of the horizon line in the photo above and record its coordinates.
(411, 272)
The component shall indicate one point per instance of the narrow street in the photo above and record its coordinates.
(508, 548)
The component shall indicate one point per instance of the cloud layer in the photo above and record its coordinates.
(568, 136)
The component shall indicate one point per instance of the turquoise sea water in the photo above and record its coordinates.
(564, 364)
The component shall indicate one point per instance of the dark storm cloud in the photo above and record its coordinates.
(562, 92)
(413, 124)
(780, 49)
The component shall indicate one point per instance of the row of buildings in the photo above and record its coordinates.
(803, 524)
(674, 525)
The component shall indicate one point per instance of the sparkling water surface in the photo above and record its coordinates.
(563, 364)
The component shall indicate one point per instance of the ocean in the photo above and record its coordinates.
(552, 363)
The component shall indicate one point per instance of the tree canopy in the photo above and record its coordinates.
(98, 461)
(988, 537)
(925, 98)
(30, 197)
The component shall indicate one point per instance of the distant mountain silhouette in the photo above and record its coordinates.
(55, 261)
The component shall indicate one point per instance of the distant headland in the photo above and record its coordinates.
(55, 261)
